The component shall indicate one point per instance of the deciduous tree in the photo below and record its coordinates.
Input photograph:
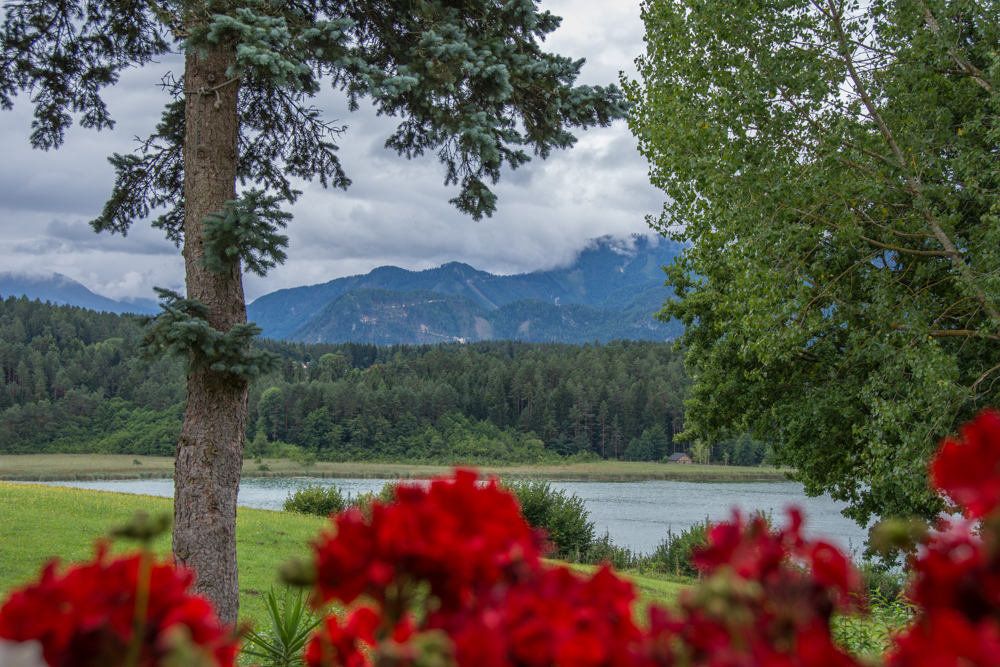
(835, 167)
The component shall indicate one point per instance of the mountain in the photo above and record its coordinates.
(61, 290)
(388, 317)
(608, 275)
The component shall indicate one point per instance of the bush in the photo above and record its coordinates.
(603, 550)
(881, 582)
(673, 554)
(563, 517)
(315, 499)
(363, 501)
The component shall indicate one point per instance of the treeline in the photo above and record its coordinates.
(71, 383)
(621, 400)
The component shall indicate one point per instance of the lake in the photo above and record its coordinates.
(636, 514)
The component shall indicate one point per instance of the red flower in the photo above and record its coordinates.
(552, 617)
(758, 607)
(456, 535)
(956, 574)
(346, 645)
(750, 549)
(968, 470)
(84, 615)
(946, 637)
(831, 568)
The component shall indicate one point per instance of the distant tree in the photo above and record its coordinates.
(834, 166)
(701, 452)
(652, 445)
(744, 450)
(468, 79)
(259, 447)
(331, 367)
(271, 414)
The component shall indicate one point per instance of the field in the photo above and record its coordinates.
(41, 522)
(52, 467)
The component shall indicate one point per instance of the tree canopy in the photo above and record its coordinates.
(834, 166)
(69, 383)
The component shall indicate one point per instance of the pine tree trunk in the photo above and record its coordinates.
(210, 450)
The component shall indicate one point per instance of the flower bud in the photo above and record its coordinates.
(144, 528)
(298, 572)
(897, 533)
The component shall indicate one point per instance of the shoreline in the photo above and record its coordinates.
(100, 467)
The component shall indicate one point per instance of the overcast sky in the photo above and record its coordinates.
(396, 212)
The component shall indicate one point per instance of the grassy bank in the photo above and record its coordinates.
(651, 586)
(54, 467)
(41, 522)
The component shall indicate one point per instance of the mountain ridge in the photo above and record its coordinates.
(608, 275)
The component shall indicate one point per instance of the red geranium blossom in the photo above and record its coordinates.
(463, 551)
(84, 615)
(956, 574)
(968, 469)
(454, 534)
(347, 644)
(759, 606)
(553, 617)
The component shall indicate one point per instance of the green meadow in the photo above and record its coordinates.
(38, 523)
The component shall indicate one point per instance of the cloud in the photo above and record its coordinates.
(396, 211)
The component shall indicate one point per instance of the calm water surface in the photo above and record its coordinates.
(636, 514)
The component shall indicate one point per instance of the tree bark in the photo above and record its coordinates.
(210, 449)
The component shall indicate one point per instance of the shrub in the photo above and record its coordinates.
(315, 499)
(604, 551)
(673, 554)
(881, 582)
(563, 517)
(872, 633)
(363, 501)
(306, 460)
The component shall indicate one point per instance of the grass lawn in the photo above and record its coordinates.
(46, 467)
(652, 586)
(39, 522)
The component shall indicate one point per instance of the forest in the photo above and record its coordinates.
(73, 383)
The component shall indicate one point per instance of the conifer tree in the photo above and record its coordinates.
(467, 78)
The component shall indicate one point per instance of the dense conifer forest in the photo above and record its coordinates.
(72, 383)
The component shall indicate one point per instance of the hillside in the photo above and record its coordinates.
(609, 275)
(61, 290)
(387, 317)
(70, 383)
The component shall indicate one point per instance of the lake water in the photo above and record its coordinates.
(636, 514)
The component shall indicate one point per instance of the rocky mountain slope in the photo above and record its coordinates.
(613, 288)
